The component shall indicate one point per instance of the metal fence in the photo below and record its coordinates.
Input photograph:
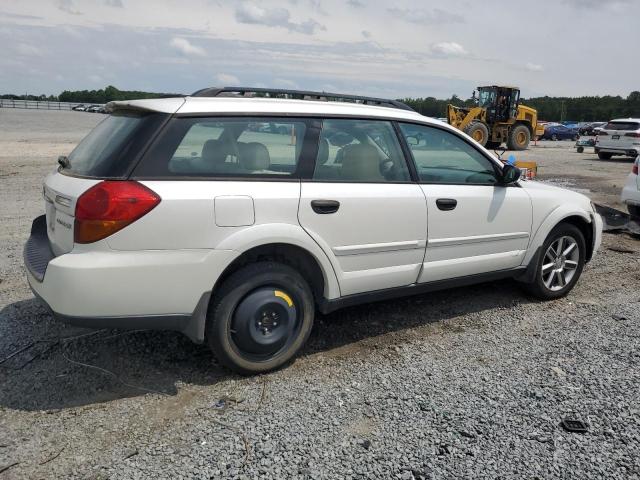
(37, 104)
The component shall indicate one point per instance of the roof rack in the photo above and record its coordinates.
(298, 95)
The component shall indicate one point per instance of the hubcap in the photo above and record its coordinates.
(521, 137)
(560, 263)
(263, 322)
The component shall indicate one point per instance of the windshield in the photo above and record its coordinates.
(111, 146)
(486, 98)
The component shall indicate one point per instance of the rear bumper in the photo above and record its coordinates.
(630, 151)
(151, 289)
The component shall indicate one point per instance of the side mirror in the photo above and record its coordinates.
(510, 174)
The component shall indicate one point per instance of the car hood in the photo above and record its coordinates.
(560, 195)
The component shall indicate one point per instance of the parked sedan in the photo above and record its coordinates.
(560, 132)
(589, 128)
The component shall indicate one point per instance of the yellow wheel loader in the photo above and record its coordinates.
(498, 118)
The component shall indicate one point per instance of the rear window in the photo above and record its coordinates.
(113, 145)
(629, 126)
(232, 147)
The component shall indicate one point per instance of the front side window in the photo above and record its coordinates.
(442, 157)
(227, 147)
(359, 151)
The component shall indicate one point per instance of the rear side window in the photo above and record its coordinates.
(113, 145)
(234, 147)
(625, 126)
(359, 151)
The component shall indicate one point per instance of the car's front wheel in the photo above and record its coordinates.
(260, 317)
(560, 263)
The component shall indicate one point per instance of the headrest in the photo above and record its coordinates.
(215, 152)
(361, 162)
(323, 151)
(254, 156)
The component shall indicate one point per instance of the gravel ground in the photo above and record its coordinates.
(467, 383)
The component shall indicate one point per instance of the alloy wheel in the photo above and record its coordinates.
(560, 263)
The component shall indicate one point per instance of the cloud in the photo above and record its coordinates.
(534, 67)
(114, 3)
(424, 17)
(28, 50)
(448, 49)
(69, 7)
(187, 48)
(596, 3)
(250, 13)
(355, 3)
(227, 79)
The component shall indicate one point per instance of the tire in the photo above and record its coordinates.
(605, 156)
(479, 132)
(519, 137)
(260, 318)
(491, 145)
(634, 210)
(554, 137)
(580, 149)
(556, 276)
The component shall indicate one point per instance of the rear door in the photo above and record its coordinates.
(362, 208)
(475, 225)
(620, 134)
(108, 152)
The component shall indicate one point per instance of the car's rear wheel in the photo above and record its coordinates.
(580, 149)
(605, 156)
(560, 263)
(260, 317)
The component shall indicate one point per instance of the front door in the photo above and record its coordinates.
(475, 224)
(362, 208)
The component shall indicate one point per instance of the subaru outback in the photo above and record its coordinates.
(233, 215)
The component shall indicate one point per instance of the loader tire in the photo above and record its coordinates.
(479, 132)
(519, 138)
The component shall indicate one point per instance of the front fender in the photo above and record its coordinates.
(264, 234)
(551, 220)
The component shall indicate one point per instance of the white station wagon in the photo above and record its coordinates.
(233, 215)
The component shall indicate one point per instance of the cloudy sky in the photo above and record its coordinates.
(391, 49)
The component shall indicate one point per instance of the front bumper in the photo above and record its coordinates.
(631, 191)
(596, 224)
(150, 289)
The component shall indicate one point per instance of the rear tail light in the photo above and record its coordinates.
(632, 134)
(110, 206)
(634, 169)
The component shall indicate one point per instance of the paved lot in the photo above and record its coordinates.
(468, 383)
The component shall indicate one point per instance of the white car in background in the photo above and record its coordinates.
(180, 214)
(619, 137)
(631, 190)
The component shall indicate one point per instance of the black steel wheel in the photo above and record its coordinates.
(260, 317)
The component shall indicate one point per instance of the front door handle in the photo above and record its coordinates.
(446, 203)
(324, 207)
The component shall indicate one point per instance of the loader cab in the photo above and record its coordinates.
(500, 103)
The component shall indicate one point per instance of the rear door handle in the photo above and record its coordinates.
(446, 203)
(324, 207)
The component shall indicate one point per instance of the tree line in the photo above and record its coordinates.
(580, 109)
